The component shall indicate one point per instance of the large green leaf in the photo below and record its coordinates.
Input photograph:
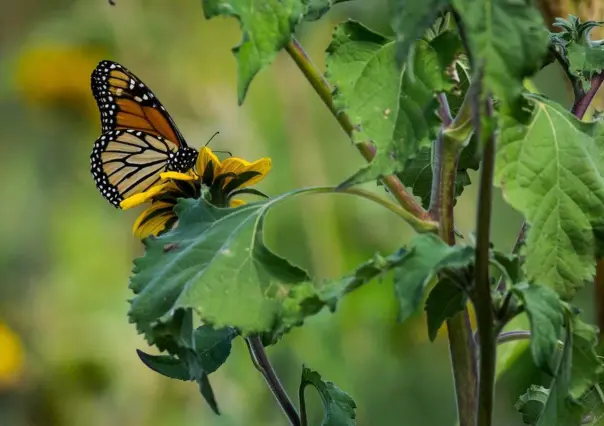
(546, 316)
(218, 266)
(387, 105)
(427, 255)
(508, 39)
(267, 26)
(339, 408)
(551, 171)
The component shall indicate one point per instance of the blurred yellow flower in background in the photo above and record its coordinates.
(55, 73)
(219, 180)
(11, 357)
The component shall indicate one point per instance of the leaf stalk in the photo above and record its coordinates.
(263, 364)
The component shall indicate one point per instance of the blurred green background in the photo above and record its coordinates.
(67, 351)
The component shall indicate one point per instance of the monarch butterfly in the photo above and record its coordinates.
(139, 140)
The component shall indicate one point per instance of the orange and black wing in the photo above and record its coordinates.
(127, 162)
(125, 102)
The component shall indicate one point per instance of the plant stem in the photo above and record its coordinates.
(419, 225)
(580, 106)
(483, 302)
(461, 342)
(263, 364)
(324, 90)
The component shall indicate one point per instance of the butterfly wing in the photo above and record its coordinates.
(125, 102)
(127, 162)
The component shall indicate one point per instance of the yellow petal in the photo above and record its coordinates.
(153, 220)
(203, 159)
(238, 166)
(143, 197)
(177, 176)
(235, 202)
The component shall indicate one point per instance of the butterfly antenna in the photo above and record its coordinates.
(225, 152)
(208, 142)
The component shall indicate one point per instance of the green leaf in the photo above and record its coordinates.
(546, 316)
(338, 406)
(171, 336)
(165, 365)
(219, 267)
(585, 60)
(551, 171)
(585, 57)
(531, 404)
(267, 26)
(212, 347)
(427, 255)
(206, 391)
(508, 39)
(387, 105)
(317, 8)
(560, 408)
(412, 19)
(444, 301)
(587, 365)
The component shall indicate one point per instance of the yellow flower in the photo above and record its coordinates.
(11, 357)
(217, 181)
(49, 73)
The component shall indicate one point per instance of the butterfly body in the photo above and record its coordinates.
(139, 140)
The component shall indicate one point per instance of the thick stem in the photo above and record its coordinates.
(262, 363)
(461, 342)
(580, 106)
(367, 150)
(483, 302)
